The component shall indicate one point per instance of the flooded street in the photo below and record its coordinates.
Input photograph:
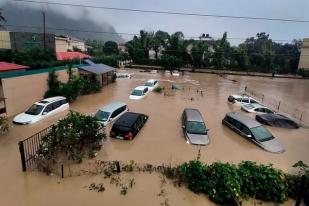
(160, 141)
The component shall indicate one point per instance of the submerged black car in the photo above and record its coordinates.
(276, 120)
(128, 125)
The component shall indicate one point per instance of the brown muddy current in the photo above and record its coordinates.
(160, 141)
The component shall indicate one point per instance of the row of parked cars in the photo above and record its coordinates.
(253, 130)
(127, 124)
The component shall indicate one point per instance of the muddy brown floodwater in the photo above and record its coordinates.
(160, 141)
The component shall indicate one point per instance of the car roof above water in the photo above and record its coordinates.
(113, 106)
(249, 122)
(193, 115)
(140, 88)
(151, 80)
(127, 120)
(51, 99)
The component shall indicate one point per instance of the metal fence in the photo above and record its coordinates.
(28, 148)
(301, 116)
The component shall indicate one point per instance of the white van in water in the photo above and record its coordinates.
(111, 112)
(42, 109)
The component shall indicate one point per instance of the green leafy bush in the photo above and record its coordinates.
(88, 86)
(158, 89)
(72, 136)
(223, 183)
(4, 126)
(294, 180)
(53, 85)
(226, 183)
(194, 174)
(263, 182)
(304, 73)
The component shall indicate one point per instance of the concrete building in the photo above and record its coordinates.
(5, 41)
(24, 40)
(64, 44)
(304, 55)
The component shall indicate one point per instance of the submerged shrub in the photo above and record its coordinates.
(72, 135)
(263, 182)
(294, 180)
(194, 174)
(223, 183)
(158, 89)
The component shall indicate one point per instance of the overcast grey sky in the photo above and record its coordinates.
(131, 22)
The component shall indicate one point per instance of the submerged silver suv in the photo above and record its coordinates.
(194, 127)
(253, 131)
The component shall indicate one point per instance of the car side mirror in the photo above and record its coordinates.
(44, 113)
(110, 119)
(207, 129)
(249, 136)
(183, 126)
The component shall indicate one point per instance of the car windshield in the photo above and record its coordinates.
(249, 106)
(35, 109)
(196, 128)
(136, 92)
(149, 84)
(261, 134)
(102, 116)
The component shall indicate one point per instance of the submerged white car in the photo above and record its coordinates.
(42, 109)
(151, 84)
(255, 108)
(111, 112)
(139, 92)
(175, 73)
(237, 99)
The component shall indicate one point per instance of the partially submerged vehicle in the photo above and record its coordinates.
(139, 92)
(252, 131)
(124, 75)
(42, 109)
(128, 126)
(276, 120)
(175, 73)
(255, 108)
(111, 112)
(151, 84)
(194, 128)
(240, 99)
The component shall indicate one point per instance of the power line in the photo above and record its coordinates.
(121, 33)
(166, 12)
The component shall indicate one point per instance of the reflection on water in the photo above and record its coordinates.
(160, 141)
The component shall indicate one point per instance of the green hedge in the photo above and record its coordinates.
(228, 184)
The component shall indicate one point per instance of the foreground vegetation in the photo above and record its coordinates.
(73, 136)
(224, 183)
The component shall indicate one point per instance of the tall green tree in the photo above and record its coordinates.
(220, 52)
(110, 47)
(199, 54)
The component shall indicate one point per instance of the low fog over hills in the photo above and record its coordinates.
(32, 16)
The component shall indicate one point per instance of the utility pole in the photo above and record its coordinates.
(44, 31)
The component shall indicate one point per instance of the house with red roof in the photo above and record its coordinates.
(61, 56)
(8, 67)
